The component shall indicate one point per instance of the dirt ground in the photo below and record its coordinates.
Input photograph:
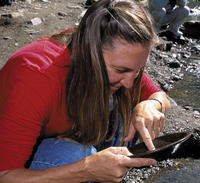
(16, 29)
(56, 15)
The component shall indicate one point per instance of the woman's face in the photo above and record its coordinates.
(123, 62)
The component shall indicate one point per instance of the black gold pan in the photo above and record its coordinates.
(174, 145)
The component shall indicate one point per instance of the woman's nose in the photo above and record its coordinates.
(128, 80)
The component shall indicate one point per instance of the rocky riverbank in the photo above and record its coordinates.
(166, 67)
(28, 20)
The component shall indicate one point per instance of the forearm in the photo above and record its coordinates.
(95, 168)
(162, 97)
(72, 173)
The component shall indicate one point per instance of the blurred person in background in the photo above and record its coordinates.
(170, 14)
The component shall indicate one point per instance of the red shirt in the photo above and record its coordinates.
(32, 99)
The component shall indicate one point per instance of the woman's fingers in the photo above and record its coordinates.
(140, 162)
(110, 165)
(131, 133)
(146, 137)
(158, 124)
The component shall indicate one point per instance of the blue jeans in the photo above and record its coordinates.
(54, 152)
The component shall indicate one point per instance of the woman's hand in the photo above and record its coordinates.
(111, 164)
(148, 119)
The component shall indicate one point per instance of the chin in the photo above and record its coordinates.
(113, 90)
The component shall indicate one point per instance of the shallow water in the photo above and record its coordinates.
(187, 91)
(180, 174)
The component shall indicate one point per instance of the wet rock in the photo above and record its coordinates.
(174, 64)
(191, 29)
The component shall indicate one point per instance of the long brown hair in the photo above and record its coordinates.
(87, 83)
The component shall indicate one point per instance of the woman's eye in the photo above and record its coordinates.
(127, 70)
(120, 71)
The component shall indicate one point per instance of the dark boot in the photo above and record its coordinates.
(88, 3)
(170, 36)
(5, 2)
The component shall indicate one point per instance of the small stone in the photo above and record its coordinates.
(29, 1)
(6, 15)
(31, 31)
(16, 14)
(7, 37)
(174, 55)
(196, 114)
(62, 14)
(35, 21)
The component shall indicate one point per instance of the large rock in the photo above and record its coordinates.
(191, 29)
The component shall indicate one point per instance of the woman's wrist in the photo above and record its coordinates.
(162, 108)
(86, 168)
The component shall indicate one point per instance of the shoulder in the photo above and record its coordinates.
(39, 65)
(42, 54)
(148, 87)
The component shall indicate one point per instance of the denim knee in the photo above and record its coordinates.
(54, 152)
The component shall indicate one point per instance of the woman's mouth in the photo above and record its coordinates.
(114, 88)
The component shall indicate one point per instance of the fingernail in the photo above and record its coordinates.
(130, 154)
(154, 162)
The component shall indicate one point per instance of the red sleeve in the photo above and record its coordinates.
(148, 87)
(24, 106)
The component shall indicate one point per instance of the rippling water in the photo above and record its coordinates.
(187, 91)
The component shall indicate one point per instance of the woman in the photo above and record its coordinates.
(87, 86)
